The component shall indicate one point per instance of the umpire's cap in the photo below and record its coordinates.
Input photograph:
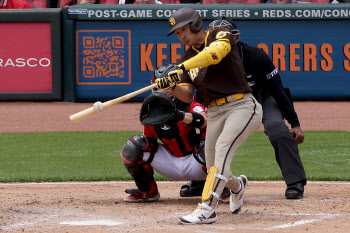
(224, 22)
(184, 16)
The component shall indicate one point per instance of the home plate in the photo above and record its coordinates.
(92, 223)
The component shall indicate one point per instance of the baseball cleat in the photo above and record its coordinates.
(236, 199)
(192, 189)
(200, 216)
(137, 195)
(295, 191)
(225, 195)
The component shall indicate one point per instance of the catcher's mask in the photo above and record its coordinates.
(161, 72)
(223, 22)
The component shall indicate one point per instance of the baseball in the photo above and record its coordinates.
(98, 106)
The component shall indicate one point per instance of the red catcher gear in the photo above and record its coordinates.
(179, 139)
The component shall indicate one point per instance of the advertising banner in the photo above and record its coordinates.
(116, 57)
(313, 63)
(105, 57)
(25, 57)
(208, 11)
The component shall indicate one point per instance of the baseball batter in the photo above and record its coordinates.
(265, 80)
(179, 156)
(213, 66)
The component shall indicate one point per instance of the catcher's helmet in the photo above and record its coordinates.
(184, 16)
(223, 22)
(161, 72)
(164, 69)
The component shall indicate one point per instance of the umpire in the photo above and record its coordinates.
(277, 104)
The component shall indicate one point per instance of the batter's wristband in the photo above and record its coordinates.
(182, 67)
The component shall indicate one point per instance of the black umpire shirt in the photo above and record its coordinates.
(264, 79)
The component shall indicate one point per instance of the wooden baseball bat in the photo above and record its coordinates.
(90, 111)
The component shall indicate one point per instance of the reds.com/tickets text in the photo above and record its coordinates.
(237, 13)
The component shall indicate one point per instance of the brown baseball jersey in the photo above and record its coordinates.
(223, 79)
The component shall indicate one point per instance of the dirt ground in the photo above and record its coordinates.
(54, 116)
(98, 206)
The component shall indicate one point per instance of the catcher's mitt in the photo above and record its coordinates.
(157, 109)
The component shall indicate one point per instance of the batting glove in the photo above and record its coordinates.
(175, 75)
(163, 83)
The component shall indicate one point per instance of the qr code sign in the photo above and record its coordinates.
(103, 57)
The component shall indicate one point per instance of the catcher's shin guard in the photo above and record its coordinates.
(142, 174)
(208, 190)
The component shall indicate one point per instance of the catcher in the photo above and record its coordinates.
(180, 127)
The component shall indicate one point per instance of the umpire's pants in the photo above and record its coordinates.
(286, 148)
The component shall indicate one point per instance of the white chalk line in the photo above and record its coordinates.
(23, 224)
(293, 224)
(104, 222)
(159, 182)
(35, 221)
(315, 218)
(321, 217)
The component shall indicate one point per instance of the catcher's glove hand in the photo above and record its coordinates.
(158, 109)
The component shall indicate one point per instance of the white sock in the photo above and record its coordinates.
(240, 187)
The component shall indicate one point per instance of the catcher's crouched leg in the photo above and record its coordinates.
(141, 172)
(195, 187)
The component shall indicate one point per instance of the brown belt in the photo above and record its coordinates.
(226, 99)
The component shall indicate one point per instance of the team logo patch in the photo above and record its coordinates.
(221, 34)
(214, 44)
(165, 127)
(272, 74)
(172, 21)
(214, 56)
(198, 109)
(252, 83)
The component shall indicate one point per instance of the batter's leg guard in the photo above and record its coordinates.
(209, 189)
